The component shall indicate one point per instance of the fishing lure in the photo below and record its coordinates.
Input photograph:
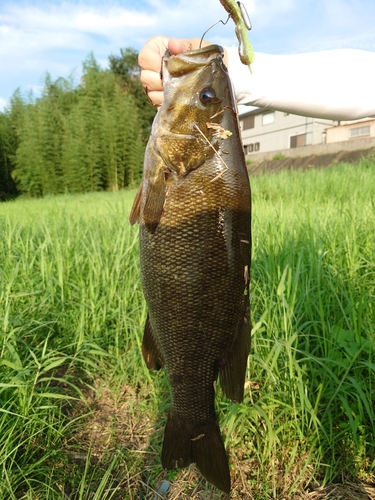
(238, 13)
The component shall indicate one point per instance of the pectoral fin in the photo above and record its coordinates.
(154, 202)
(232, 375)
(150, 349)
(136, 208)
(153, 190)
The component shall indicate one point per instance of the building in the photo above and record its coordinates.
(264, 130)
(351, 131)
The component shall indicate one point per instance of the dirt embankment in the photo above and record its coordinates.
(307, 162)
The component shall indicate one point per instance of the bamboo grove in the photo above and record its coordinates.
(81, 137)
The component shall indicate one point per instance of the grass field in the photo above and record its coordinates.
(82, 418)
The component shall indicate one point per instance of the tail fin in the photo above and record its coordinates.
(187, 443)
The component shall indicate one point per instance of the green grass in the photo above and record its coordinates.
(278, 156)
(82, 418)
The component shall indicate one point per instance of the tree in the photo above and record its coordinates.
(7, 185)
(10, 124)
(39, 170)
(74, 138)
(126, 67)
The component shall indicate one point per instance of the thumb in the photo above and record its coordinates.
(178, 45)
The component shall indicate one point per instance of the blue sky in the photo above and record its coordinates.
(53, 36)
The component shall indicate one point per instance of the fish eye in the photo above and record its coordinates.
(207, 95)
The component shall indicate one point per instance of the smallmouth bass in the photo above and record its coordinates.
(193, 207)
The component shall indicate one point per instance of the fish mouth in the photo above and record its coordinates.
(192, 60)
(202, 51)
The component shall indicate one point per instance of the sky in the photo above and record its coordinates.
(41, 36)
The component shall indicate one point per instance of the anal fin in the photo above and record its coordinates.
(232, 375)
(150, 349)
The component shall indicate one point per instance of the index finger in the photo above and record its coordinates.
(152, 53)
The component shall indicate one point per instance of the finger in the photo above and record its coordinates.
(149, 59)
(151, 54)
(151, 80)
(178, 45)
(156, 97)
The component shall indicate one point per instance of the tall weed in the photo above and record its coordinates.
(72, 315)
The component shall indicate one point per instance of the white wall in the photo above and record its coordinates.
(275, 136)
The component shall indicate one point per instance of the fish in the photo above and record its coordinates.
(194, 209)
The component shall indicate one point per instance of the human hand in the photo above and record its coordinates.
(150, 60)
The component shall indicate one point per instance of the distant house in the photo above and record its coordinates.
(350, 131)
(264, 130)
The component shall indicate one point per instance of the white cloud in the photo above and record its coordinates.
(30, 30)
(116, 18)
(64, 26)
(57, 35)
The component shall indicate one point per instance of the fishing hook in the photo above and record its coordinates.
(244, 15)
(217, 22)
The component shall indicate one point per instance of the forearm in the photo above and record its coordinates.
(338, 84)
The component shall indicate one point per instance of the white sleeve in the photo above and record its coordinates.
(334, 84)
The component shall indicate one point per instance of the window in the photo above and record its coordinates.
(257, 146)
(359, 131)
(248, 122)
(268, 118)
(249, 148)
(297, 141)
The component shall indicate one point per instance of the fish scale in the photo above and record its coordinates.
(194, 212)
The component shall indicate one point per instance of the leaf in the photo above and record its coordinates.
(54, 364)
(219, 130)
(53, 395)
